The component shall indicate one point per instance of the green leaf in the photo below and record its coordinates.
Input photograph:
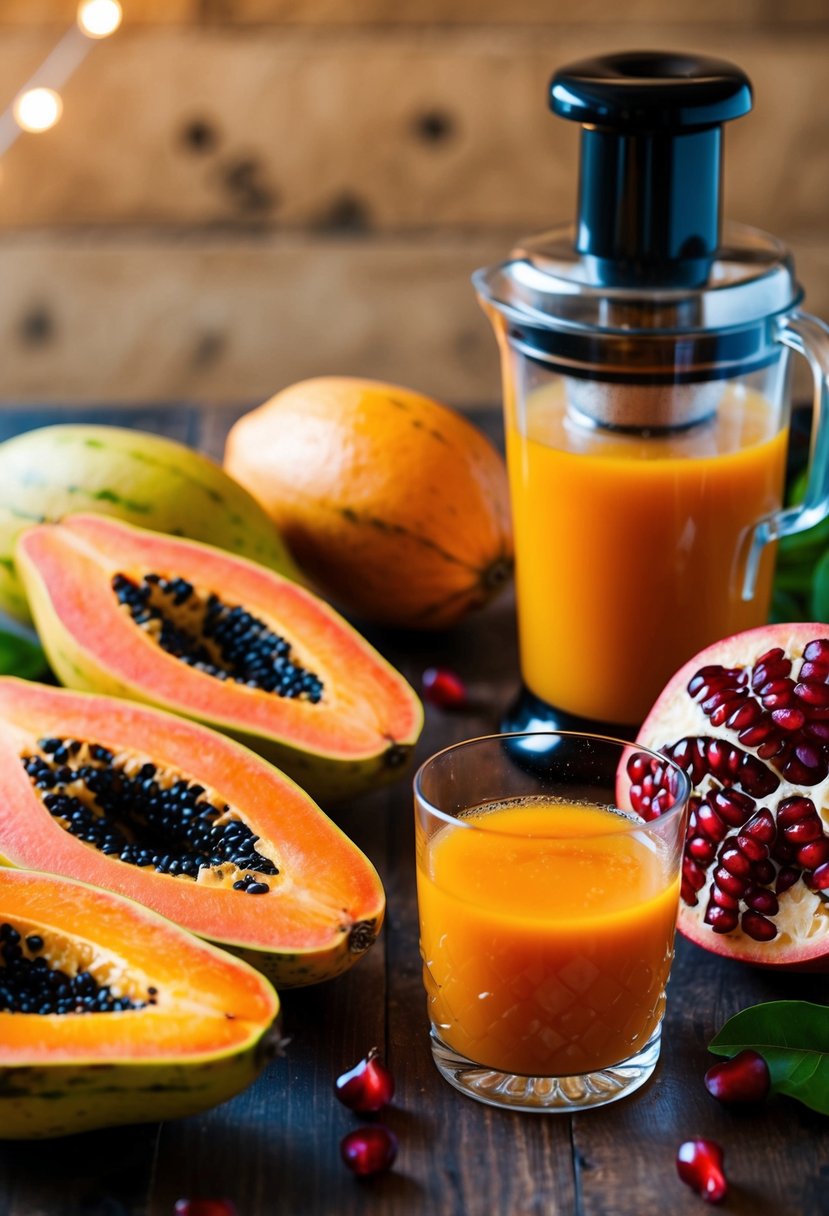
(793, 1039)
(819, 602)
(786, 606)
(21, 657)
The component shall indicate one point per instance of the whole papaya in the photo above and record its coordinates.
(396, 506)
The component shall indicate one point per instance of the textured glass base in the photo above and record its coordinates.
(546, 1093)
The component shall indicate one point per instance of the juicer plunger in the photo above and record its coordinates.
(646, 334)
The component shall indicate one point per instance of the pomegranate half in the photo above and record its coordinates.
(748, 721)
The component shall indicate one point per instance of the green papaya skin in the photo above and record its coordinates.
(203, 1032)
(131, 475)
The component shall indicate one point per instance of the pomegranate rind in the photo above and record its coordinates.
(802, 940)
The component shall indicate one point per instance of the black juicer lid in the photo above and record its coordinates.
(644, 289)
(651, 150)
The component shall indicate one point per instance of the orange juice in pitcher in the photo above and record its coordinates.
(646, 398)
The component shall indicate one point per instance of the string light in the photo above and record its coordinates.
(37, 109)
(38, 105)
(99, 18)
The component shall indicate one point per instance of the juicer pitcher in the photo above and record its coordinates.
(645, 354)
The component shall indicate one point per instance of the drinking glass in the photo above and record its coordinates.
(548, 887)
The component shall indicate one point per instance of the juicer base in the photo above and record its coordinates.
(529, 713)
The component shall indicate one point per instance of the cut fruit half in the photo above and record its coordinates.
(218, 638)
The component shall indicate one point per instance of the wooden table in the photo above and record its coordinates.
(275, 1149)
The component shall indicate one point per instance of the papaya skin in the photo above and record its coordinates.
(139, 477)
(358, 736)
(208, 1035)
(394, 505)
(320, 915)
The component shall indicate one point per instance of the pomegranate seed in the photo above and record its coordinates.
(699, 1163)
(764, 872)
(733, 807)
(812, 855)
(817, 651)
(787, 876)
(723, 900)
(444, 688)
(746, 715)
(792, 810)
(735, 862)
(710, 824)
(693, 874)
(789, 718)
(689, 895)
(761, 826)
(721, 920)
(751, 848)
(367, 1087)
(702, 850)
(813, 693)
(755, 734)
(758, 927)
(805, 831)
(369, 1150)
(814, 671)
(760, 899)
(729, 882)
(820, 878)
(744, 1078)
(205, 1207)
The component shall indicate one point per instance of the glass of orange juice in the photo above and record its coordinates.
(547, 915)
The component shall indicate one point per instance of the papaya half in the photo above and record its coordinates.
(152, 806)
(142, 478)
(215, 637)
(110, 1014)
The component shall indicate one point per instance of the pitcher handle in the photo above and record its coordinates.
(809, 337)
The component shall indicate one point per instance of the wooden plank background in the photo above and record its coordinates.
(241, 193)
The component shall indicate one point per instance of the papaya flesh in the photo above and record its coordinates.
(191, 824)
(210, 635)
(110, 1014)
(142, 478)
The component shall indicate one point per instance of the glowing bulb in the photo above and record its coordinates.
(99, 18)
(37, 109)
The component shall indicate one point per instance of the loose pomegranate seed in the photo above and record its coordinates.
(699, 1163)
(444, 688)
(205, 1207)
(367, 1087)
(744, 1078)
(369, 1150)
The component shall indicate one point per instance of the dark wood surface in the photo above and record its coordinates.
(274, 1150)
